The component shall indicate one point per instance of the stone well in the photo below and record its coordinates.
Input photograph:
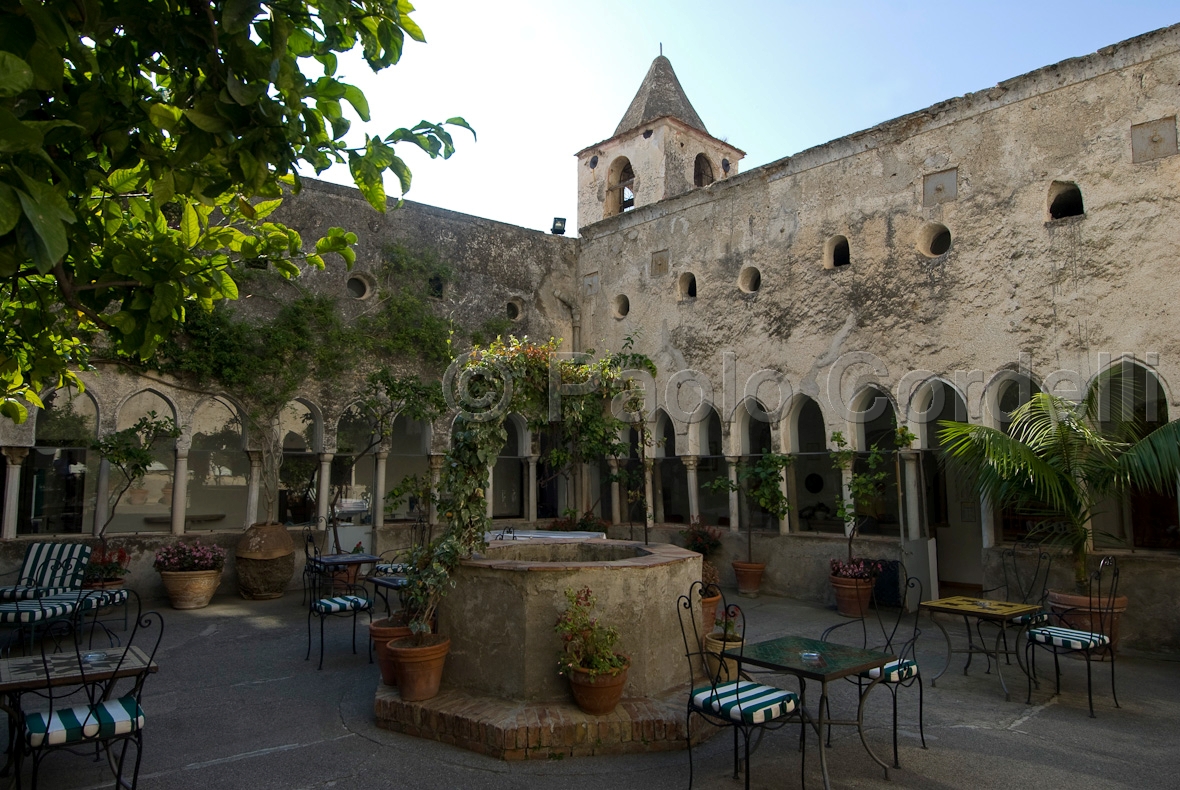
(501, 614)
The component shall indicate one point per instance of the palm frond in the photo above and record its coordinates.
(1152, 463)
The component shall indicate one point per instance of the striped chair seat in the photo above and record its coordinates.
(36, 611)
(745, 701)
(70, 725)
(895, 671)
(342, 603)
(389, 568)
(1032, 618)
(26, 593)
(1068, 638)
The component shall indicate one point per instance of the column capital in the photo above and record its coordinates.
(326, 457)
(733, 460)
(381, 455)
(690, 461)
(436, 461)
(255, 458)
(613, 463)
(15, 455)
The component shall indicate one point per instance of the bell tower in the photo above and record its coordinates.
(659, 150)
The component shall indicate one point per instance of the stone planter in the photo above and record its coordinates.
(190, 589)
(266, 561)
(852, 595)
(714, 646)
(597, 694)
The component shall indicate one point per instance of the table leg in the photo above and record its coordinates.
(949, 652)
(1002, 635)
(860, 723)
(819, 731)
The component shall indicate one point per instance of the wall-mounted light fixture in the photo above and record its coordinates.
(558, 228)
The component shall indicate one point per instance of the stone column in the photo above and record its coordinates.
(180, 490)
(379, 491)
(252, 488)
(784, 523)
(731, 462)
(584, 489)
(530, 490)
(14, 457)
(324, 490)
(102, 497)
(657, 481)
(691, 462)
(647, 492)
(436, 463)
(616, 509)
(912, 478)
(846, 495)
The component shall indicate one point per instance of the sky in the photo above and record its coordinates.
(540, 80)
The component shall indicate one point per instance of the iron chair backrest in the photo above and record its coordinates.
(66, 644)
(54, 565)
(889, 629)
(1103, 589)
(694, 629)
(1022, 583)
(311, 545)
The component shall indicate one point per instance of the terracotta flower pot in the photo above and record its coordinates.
(266, 561)
(137, 496)
(852, 595)
(382, 632)
(714, 646)
(419, 667)
(1085, 617)
(749, 577)
(597, 694)
(190, 589)
(104, 584)
(709, 614)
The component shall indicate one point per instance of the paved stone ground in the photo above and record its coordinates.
(236, 706)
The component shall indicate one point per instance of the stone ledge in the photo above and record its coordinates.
(513, 730)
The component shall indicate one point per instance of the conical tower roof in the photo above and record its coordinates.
(660, 95)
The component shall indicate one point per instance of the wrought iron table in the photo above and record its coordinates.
(812, 659)
(344, 568)
(1001, 613)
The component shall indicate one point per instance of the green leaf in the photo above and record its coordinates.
(368, 180)
(354, 96)
(16, 136)
(206, 122)
(457, 121)
(46, 210)
(263, 210)
(237, 15)
(9, 209)
(190, 226)
(15, 75)
(14, 410)
(165, 117)
(124, 180)
(411, 27)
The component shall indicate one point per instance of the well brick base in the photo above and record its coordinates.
(531, 731)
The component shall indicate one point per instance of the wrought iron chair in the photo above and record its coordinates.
(49, 569)
(889, 630)
(389, 574)
(88, 699)
(1087, 631)
(740, 703)
(312, 566)
(331, 597)
(1023, 583)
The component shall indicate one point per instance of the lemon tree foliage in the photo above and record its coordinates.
(144, 146)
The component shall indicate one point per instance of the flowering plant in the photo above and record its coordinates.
(857, 568)
(195, 556)
(107, 565)
(586, 644)
(359, 547)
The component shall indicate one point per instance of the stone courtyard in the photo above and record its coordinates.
(235, 706)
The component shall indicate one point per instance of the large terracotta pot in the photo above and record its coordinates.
(597, 694)
(852, 595)
(714, 646)
(709, 614)
(266, 561)
(137, 496)
(419, 667)
(749, 577)
(1086, 618)
(382, 632)
(104, 584)
(190, 589)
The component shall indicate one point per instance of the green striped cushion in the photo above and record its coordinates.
(895, 671)
(341, 603)
(1032, 618)
(1067, 638)
(103, 720)
(745, 701)
(25, 593)
(35, 611)
(54, 565)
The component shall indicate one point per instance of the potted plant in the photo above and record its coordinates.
(704, 540)
(191, 572)
(419, 657)
(106, 569)
(852, 578)
(1058, 461)
(725, 636)
(587, 658)
(762, 479)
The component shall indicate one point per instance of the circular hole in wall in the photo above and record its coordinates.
(513, 309)
(359, 287)
(622, 306)
(813, 483)
(934, 239)
(750, 280)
